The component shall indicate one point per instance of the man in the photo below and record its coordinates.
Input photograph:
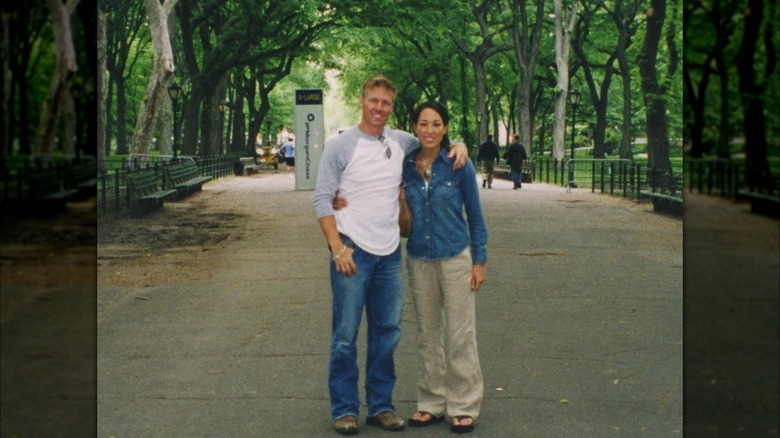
(363, 164)
(488, 154)
(288, 150)
(515, 155)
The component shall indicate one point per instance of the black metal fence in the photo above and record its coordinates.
(112, 189)
(16, 172)
(16, 190)
(619, 177)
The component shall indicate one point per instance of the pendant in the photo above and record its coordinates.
(428, 173)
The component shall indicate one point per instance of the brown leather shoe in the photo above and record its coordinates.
(387, 420)
(346, 425)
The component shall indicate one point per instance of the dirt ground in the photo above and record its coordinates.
(67, 248)
(173, 244)
(48, 251)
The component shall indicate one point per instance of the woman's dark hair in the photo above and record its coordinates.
(443, 113)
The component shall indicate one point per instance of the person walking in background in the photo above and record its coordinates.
(288, 150)
(488, 155)
(363, 164)
(515, 155)
(446, 265)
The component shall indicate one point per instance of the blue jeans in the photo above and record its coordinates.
(517, 175)
(376, 286)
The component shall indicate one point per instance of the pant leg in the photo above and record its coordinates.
(348, 302)
(465, 387)
(427, 301)
(384, 302)
(517, 175)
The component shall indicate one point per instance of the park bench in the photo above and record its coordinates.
(48, 193)
(664, 203)
(144, 194)
(184, 177)
(761, 203)
(83, 177)
(247, 165)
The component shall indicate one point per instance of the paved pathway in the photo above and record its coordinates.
(579, 325)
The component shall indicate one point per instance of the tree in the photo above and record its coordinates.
(64, 73)
(27, 49)
(757, 175)
(101, 89)
(564, 26)
(715, 25)
(161, 75)
(526, 47)
(479, 55)
(126, 42)
(653, 89)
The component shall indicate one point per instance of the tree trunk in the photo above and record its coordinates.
(562, 48)
(65, 70)
(526, 51)
(757, 175)
(653, 93)
(122, 144)
(102, 44)
(161, 77)
(5, 83)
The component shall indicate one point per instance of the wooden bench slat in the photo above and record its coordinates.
(144, 192)
(185, 176)
(665, 203)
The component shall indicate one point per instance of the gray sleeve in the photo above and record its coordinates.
(328, 177)
(407, 141)
(333, 161)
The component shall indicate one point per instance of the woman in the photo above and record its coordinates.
(446, 256)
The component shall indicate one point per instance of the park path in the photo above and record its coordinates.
(579, 324)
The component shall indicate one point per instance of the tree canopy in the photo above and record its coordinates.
(492, 58)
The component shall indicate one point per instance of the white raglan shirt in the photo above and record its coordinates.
(356, 164)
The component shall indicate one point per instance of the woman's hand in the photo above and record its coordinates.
(338, 202)
(477, 277)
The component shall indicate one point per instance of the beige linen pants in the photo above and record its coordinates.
(447, 341)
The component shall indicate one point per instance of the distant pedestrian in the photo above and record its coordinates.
(288, 150)
(488, 155)
(515, 155)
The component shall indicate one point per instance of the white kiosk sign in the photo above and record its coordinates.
(309, 137)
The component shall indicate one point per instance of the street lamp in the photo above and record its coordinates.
(174, 91)
(268, 130)
(479, 124)
(76, 91)
(574, 98)
(221, 105)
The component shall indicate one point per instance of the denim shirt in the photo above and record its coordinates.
(439, 229)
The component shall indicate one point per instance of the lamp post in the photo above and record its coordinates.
(268, 130)
(174, 91)
(76, 91)
(221, 105)
(479, 125)
(574, 98)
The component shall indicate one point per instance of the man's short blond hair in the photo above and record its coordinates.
(378, 81)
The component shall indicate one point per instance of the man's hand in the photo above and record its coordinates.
(460, 153)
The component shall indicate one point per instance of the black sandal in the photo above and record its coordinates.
(462, 428)
(423, 423)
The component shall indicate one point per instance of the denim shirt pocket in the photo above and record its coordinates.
(446, 193)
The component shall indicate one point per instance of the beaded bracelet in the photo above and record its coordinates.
(338, 256)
